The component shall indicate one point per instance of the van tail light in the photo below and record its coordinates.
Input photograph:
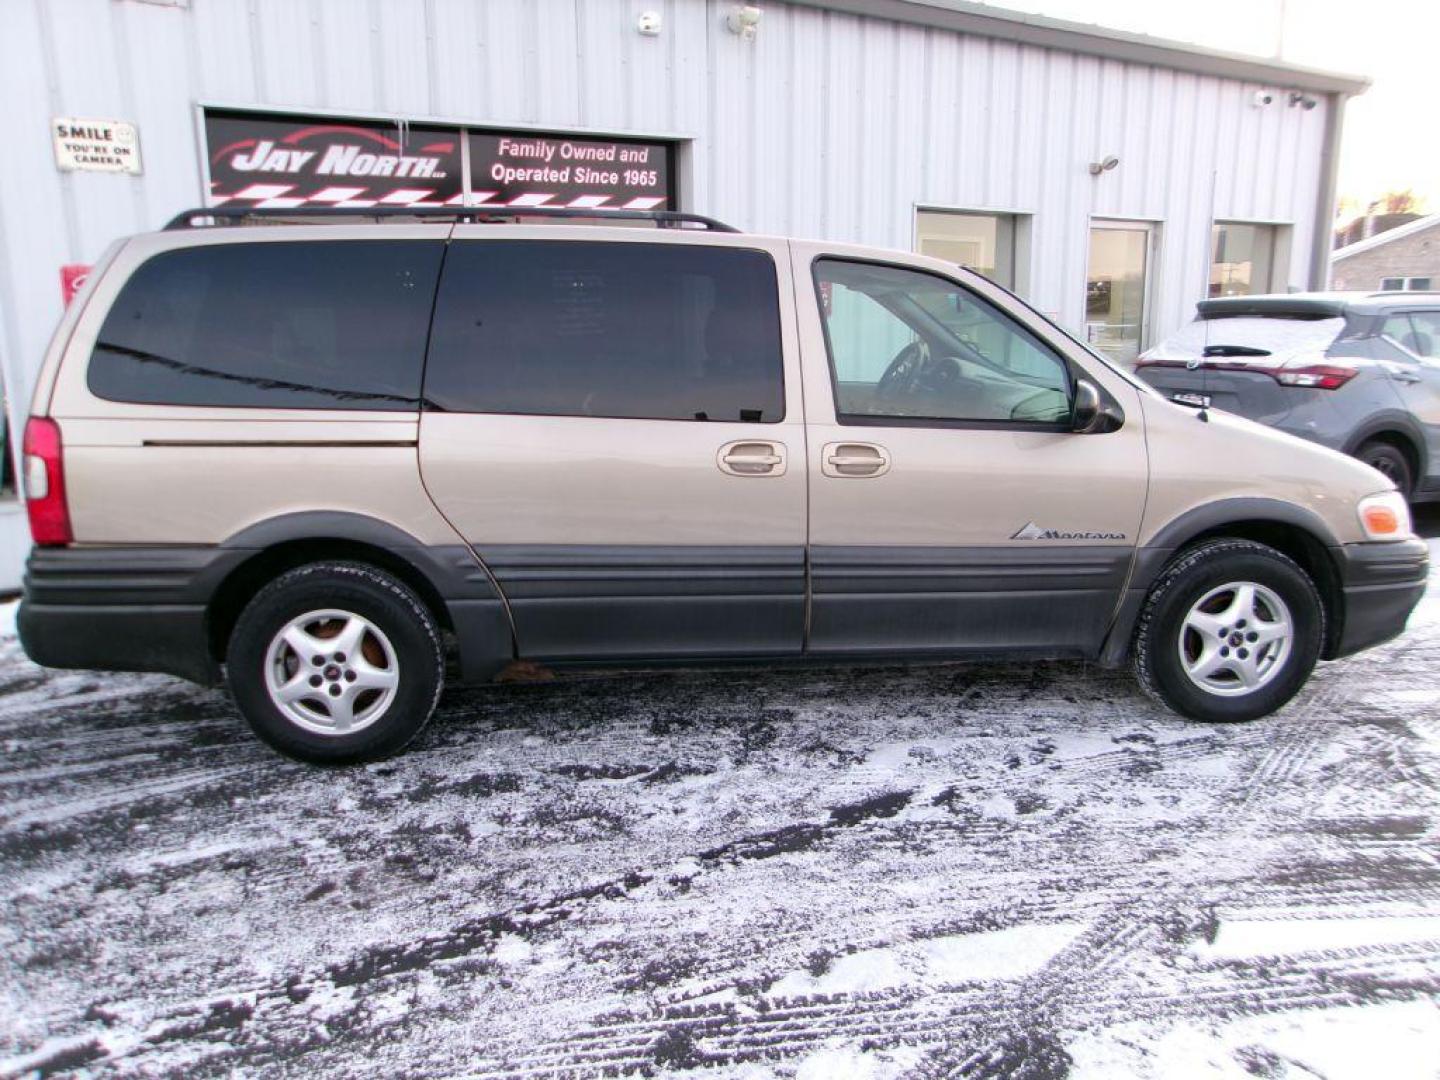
(45, 483)
(1315, 376)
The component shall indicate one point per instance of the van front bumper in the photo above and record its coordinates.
(1380, 585)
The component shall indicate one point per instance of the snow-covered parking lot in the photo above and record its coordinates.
(966, 870)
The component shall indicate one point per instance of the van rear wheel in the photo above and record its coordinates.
(336, 662)
(1230, 632)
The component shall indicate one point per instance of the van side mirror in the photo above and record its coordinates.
(1092, 414)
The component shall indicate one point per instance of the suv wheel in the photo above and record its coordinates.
(1231, 631)
(336, 662)
(1389, 459)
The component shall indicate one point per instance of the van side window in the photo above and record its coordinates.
(630, 330)
(294, 325)
(911, 346)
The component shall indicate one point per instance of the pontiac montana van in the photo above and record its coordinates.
(314, 454)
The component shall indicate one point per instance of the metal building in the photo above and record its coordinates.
(1111, 179)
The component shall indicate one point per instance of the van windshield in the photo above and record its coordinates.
(1241, 338)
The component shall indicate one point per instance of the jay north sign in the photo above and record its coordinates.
(282, 162)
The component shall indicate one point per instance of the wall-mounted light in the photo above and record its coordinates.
(1098, 167)
(649, 23)
(745, 21)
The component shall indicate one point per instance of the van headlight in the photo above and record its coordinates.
(1385, 516)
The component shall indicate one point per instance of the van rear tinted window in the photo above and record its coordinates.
(634, 330)
(293, 325)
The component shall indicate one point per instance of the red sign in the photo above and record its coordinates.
(72, 277)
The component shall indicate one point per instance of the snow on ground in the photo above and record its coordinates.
(965, 870)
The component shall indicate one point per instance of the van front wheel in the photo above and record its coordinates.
(335, 663)
(1230, 632)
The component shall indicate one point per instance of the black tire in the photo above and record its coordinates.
(408, 640)
(1192, 574)
(1390, 460)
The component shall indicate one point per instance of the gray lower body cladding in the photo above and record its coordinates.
(145, 609)
(1050, 600)
(610, 602)
(1380, 584)
(141, 608)
(604, 603)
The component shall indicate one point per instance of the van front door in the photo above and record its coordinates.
(615, 427)
(952, 507)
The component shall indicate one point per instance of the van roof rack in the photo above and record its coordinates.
(205, 216)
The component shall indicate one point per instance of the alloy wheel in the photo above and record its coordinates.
(331, 672)
(1236, 639)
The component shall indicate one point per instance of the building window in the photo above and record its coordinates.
(1242, 259)
(1406, 284)
(984, 243)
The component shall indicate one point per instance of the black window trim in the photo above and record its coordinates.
(845, 419)
(429, 405)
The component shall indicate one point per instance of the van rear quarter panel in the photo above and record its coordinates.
(165, 474)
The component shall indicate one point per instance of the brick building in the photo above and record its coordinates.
(1406, 257)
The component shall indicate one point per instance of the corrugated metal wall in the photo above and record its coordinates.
(824, 125)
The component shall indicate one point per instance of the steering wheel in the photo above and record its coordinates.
(903, 371)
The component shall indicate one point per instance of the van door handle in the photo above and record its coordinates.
(855, 460)
(1405, 376)
(747, 457)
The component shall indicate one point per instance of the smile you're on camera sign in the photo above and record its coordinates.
(82, 145)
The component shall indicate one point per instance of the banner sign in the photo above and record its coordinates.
(279, 162)
(515, 169)
(282, 162)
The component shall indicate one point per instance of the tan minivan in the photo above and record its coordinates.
(314, 453)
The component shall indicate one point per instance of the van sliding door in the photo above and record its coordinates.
(616, 428)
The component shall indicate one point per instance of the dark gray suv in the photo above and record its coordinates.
(1357, 372)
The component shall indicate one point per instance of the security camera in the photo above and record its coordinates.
(1104, 165)
(1262, 98)
(1305, 101)
(745, 21)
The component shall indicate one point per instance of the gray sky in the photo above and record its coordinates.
(1392, 131)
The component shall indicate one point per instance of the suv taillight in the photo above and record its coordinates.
(1307, 376)
(45, 483)
(1315, 376)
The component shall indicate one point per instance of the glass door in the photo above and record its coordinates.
(1115, 288)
